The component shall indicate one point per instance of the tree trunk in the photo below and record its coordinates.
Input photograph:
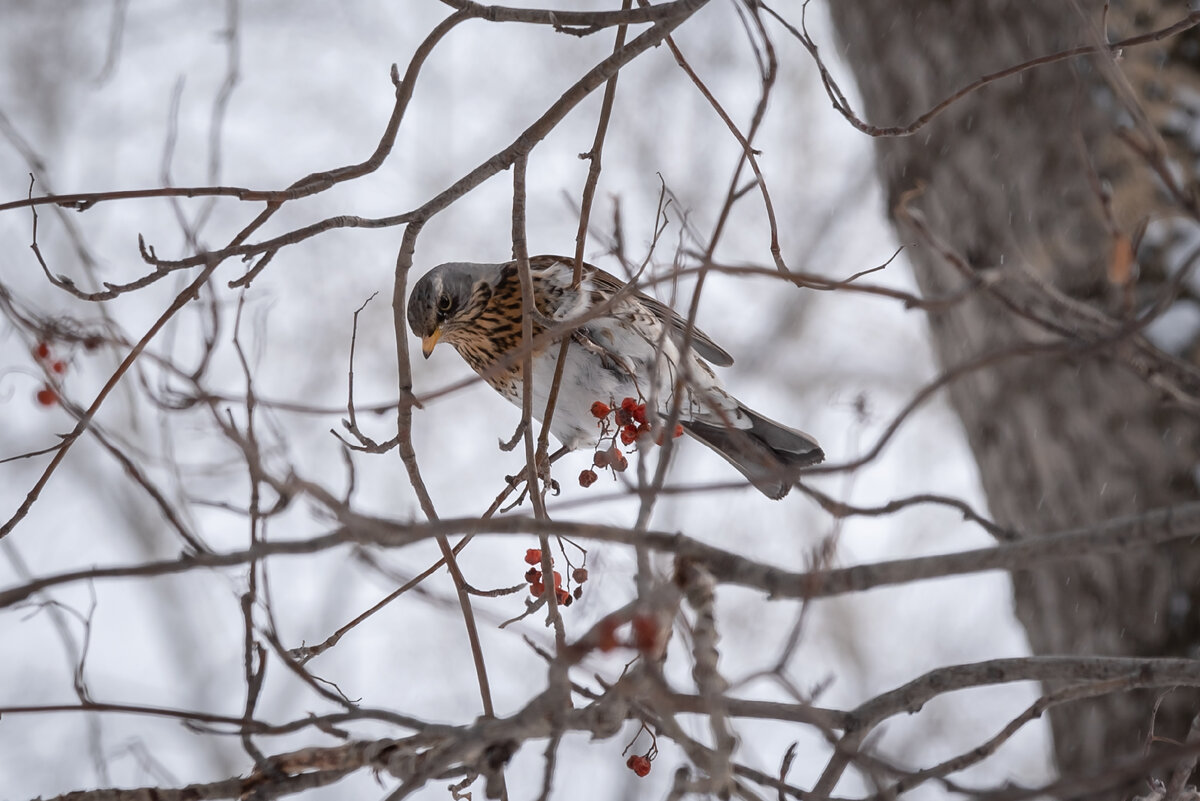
(1009, 184)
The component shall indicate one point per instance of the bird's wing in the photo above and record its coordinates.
(701, 342)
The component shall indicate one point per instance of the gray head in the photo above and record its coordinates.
(447, 299)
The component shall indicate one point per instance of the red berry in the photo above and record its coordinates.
(600, 410)
(532, 574)
(41, 351)
(606, 635)
(59, 367)
(47, 396)
(565, 599)
(623, 417)
(638, 764)
(537, 589)
(533, 556)
(658, 439)
(628, 435)
(580, 575)
(629, 404)
(645, 632)
(639, 413)
(587, 478)
(557, 579)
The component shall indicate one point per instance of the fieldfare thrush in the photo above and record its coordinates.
(623, 344)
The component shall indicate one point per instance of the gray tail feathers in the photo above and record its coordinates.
(767, 453)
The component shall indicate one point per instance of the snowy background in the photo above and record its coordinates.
(313, 93)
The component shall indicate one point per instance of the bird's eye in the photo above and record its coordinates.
(444, 303)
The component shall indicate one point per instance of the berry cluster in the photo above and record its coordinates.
(628, 424)
(54, 368)
(537, 584)
(640, 763)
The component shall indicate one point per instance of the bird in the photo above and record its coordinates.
(623, 343)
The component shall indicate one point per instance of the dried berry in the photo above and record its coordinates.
(617, 459)
(587, 478)
(532, 575)
(628, 435)
(578, 593)
(600, 410)
(624, 417)
(580, 575)
(638, 764)
(600, 459)
(533, 556)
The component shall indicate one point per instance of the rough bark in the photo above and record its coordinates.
(1060, 442)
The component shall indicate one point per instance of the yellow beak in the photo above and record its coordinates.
(428, 343)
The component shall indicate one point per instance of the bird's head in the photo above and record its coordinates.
(447, 300)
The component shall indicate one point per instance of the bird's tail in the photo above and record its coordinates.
(767, 453)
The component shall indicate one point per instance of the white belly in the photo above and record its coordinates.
(645, 373)
(585, 381)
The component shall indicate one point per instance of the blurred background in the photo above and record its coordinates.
(114, 96)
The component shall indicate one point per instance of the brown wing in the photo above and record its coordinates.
(701, 342)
